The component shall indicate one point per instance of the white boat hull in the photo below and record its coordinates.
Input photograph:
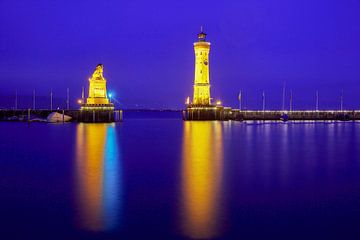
(55, 117)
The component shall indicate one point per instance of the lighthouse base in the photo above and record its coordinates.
(208, 113)
(99, 113)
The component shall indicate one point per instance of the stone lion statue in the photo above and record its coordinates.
(98, 73)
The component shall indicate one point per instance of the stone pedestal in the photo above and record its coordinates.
(206, 113)
(97, 113)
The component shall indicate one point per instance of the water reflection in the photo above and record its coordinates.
(202, 179)
(98, 176)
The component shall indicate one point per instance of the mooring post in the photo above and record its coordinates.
(93, 115)
(121, 115)
(63, 115)
(29, 115)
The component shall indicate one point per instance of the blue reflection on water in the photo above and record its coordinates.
(112, 200)
(228, 180)
(98, 177)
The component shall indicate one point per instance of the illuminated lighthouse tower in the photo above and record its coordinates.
(201, 83)
(201, 107)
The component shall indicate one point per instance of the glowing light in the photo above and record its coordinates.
(218, 103)
(106, 107)
(79, 101)
(90, 151)
(187, 101)
(97, 87)
(201, 83)
(98, 177)
(112, 179)
(201, 179)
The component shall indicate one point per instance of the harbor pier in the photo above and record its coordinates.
(206, 113)
(95, 114)
(301, 115)
(226, 114)
(40, 115)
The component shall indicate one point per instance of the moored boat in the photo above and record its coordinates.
(58, 117)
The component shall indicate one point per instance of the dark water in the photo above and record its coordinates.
(169, 179)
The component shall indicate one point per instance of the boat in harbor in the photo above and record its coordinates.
(55, 117)
(284, 117)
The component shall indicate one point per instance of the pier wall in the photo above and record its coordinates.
(189, 114)
(224, 114)
(294, 115)
(206, 113)
(93, 116)
(76, 115)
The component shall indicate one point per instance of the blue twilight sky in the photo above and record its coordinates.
(147, 52)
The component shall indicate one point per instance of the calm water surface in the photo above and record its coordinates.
(169, 179)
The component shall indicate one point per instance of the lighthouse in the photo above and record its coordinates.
(201, 107)
(201, 82)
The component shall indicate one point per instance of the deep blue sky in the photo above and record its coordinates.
(147, 52)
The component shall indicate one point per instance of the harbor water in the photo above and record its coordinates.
(164, 178)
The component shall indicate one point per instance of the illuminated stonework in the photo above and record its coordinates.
(201, 82)
(98, 108)
(202, 175)
(97, 87)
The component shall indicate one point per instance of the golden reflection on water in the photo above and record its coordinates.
(202, 179)
(98, 176)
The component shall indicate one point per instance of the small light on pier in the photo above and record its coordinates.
(218, 103)
(79, 101)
